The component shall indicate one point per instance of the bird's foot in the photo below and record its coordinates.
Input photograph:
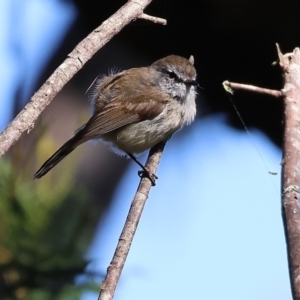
(146, 173)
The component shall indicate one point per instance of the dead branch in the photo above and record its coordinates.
(291, 164)
(114, 270)
(290, 65)
(24, 121)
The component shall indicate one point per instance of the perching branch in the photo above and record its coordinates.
(290, 65)
(24, 121)
(114, 270)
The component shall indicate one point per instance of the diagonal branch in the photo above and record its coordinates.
(24, 121)
(114, 270)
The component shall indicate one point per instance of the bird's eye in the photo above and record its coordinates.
(172, 75)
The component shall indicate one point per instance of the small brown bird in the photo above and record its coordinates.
(136, 109)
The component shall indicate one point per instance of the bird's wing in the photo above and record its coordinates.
(117, 114)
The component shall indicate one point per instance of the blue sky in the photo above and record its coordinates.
(212, 226)
(26, 45)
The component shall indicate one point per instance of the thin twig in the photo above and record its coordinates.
(283, 59)
(114, 270)
(153, 19)
(291, 164)
(24, 121)
(231, 86)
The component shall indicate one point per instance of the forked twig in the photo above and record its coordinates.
(290, 65)
(24, 121)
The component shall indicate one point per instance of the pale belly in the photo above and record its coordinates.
(137, 138)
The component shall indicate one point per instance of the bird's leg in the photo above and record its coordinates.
(144, 172)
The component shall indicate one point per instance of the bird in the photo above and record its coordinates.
(135, 109)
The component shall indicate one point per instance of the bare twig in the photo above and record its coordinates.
(24, 121)
(108, 286)
(283, 59)
(291, 164)
(231, 86)
(153, 19)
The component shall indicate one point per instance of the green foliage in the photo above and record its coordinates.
(45, 229)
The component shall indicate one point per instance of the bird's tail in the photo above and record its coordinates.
(59, 155)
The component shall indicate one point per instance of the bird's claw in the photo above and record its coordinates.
(151, 176)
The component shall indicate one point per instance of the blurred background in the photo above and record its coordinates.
(212, 227)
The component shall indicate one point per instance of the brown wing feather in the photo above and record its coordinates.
(97, 127)
(113, 117)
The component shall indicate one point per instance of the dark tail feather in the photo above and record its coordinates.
(59, 155)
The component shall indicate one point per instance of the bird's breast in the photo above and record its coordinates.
(138, 137)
